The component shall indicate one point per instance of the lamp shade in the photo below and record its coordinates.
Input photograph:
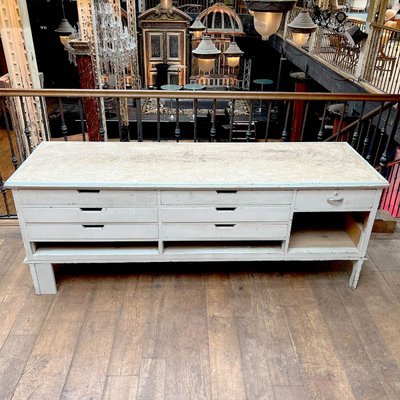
(233, 54)
(65, 28)
(206, 49)
(268, 15)
(302, 27)
(197, 28)
(267, 23)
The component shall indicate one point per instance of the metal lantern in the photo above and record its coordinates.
(302, 27)
(64, 30)
(233, 54)
(207, 53)
(197, 28)
(268, 15)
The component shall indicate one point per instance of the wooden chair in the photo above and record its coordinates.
(385, 62)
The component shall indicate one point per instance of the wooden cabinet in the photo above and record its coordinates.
(152, 202)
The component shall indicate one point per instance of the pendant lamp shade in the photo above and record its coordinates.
(197, 28)
(233, 54)
(268, 15)
(302, 27)
(65, 28)
(207, 53)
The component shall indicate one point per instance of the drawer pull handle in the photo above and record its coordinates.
(87, 209)
(225, 208)
(88, 191)
(226, 191)
(335, 200)
(92, 226)
(225, 225)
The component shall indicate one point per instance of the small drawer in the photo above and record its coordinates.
(225, 213)
(226, 197)
(88, 214)
(87, 197)
(91, 232)
(334, 200)
(222, 231)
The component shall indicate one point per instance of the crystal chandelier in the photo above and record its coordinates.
(116, 48)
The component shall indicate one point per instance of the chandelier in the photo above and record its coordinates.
(116, 48)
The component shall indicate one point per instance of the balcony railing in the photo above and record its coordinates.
(197, 6)
(382, 68)
(368, 122)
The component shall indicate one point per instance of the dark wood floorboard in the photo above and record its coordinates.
(139, 332)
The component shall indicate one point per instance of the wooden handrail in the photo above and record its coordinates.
(186, 94)
(388, 28)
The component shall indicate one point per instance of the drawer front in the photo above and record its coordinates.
(88, 214)
(331, 200)
(226, 197)
(222, 231)
(224, 213)
(90, 198)
(91, 232)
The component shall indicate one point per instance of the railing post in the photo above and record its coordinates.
(64, 129)
(213, 131)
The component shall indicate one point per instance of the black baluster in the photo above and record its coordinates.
(195, 112)
(177, 128)
(158, 121)
(64, 129)
(14, 159)
(356, 134)
(27, 132)
(139, 127)
(4, 193)
(268, 120)
(368, 140)
(118, 105)
(44, 118)
(250, 122)
(304, 121)
(322, 127)
(213, 131)
(232, 119)
(102, 131)
(83, 129)
(341, 120)
(285, 135)
(384, 158)
(382, 135)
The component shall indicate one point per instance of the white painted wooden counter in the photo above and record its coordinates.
(147, 202)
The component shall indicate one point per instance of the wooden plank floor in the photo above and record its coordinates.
(209, 331)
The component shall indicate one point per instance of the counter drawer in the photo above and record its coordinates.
(91, 232)
(225, 213)
(222, 231)
(334, 200)
(88, 214)
(223, 197)
(87, 197)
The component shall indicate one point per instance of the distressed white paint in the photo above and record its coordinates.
(164, 200)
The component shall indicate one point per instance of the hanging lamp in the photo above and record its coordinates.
(302, 27)
(206, 52)
(268, 15)
(197, 28)
(233, 54)
(65, 29)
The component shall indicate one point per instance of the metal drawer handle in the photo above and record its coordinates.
(226, 191)
(335, 200)
(225, 208)
(92, 226)
(225, 225)
(88, 191)
(87, 209)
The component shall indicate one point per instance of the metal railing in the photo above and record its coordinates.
(200, 5)
(382, 68)
(368, 122)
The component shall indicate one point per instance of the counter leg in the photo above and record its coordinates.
(355, 275)
(43, 278)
